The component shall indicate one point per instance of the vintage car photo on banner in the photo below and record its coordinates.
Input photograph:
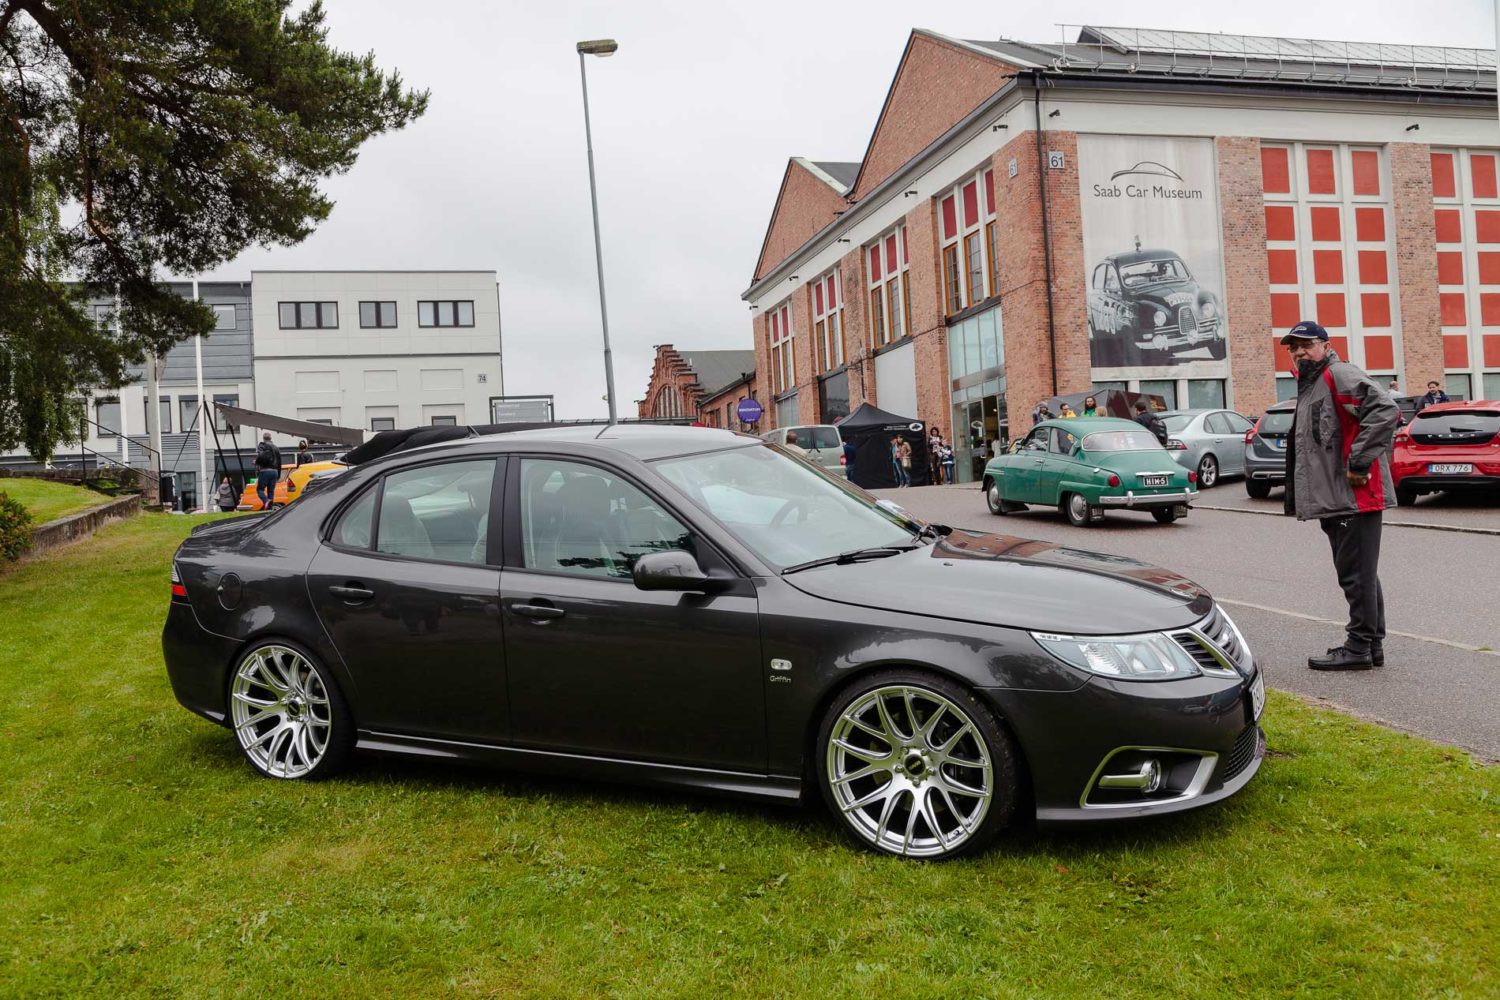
(1152, 254)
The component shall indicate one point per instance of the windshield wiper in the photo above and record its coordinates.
(853, 555)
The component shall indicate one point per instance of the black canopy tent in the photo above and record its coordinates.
(867, 434)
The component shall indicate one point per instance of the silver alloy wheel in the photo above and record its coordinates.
(1208, 471)
(1078, 508)
(281, 712)
(910, 771)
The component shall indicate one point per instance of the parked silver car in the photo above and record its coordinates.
(1209, 441)
(822, 442)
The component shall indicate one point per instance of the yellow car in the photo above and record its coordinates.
(291, 484)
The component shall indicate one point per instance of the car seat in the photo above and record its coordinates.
(400, 532)
(583, 527)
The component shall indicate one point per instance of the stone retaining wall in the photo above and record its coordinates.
(80, 525)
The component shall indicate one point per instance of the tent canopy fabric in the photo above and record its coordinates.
(867, 434)
(326, 433)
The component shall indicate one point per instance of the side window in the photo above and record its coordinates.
(1111, 283)
(1237, 423)
(823, 438)
(578, 518)
(354, 528)
(1217, 424)
(1038, 439)
(437, 512)
(1062, 441)
(1099, 277)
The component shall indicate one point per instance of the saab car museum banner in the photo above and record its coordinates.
(1152, 253)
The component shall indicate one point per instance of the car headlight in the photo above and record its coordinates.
(1160, 318)
(1151, 656)
(1207, 311)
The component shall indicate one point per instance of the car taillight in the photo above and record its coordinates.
(1114, 480)
(1175, 445)
(1250, 434)
(1192, 476)
(178, 590)
(1402, 436)
(843, 459)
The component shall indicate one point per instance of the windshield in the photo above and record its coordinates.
(1277, 421)
(1141, 440)
(1149, 271)
(1177, 421)
(784, 510)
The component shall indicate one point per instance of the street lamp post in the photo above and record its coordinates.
(601, 47)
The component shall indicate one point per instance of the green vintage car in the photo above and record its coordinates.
(1087, 465)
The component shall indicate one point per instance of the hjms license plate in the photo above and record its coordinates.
(1258, 696)
(1154, 480)
(1450, 469)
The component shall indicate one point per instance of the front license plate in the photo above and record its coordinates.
(1153, 480)
(1451, 469)
(1258, 696)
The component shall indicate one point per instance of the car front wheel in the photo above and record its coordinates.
(992, 497)
(288, 715)
(1208, 472)
(915, 765)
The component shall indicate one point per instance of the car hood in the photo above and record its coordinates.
(1018, 583)
(1169, 293)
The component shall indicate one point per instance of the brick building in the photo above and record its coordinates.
(704, 386)
(1145, 210)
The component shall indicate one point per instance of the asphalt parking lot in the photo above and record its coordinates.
(1442, 590)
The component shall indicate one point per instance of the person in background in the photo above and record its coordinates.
(1150, 421)
(226, 497)
(1090, 407)
(904, 447)
(267, 470)
(1042, 412)
(1435, 394)
(934, 459)
(792, 445)
(303, 455)
(948, 460)
(1395, 387)
(1067, 411)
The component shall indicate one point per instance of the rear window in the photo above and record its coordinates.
(1462, 422)
(1141, 440)
(818, 437)
(1277, 421)
(1177, 421)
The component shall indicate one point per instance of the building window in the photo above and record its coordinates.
(1205, 393)
(1328, 246)
(228, 399)
(890, 309)
(224, 318)
(445, 421)
(309, 315)
(187, 414)
(164, 413)
(445, 313)
(971, 272)
(382, 423)
(783, 364)
(107, 416)
(377, 314)
(828, 320)
(104, 317)
(1466, 203)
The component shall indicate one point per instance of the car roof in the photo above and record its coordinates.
(1086, 425)
(641, 441)
(1136, 256)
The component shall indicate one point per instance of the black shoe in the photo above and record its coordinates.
(1341, 658)
(1377, 654)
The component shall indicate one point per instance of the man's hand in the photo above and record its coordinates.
(1357, 478)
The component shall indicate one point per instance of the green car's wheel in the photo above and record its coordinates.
(1164, 515)
(1080, 514)
(992, 497)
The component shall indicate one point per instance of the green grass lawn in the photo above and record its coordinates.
(140, 857)
(47, 500)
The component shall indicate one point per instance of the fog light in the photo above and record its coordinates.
(1145, 781)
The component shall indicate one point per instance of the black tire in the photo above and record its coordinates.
(1164, 515)
(1218, 349)
(1208, 472)
(1079, 513)
(924, 759)
(1405, 498)
(992, 497)
(1258, 489)
(299, 709)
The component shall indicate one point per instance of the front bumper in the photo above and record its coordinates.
(1144, 501)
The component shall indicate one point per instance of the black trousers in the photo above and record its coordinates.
(1355, 541)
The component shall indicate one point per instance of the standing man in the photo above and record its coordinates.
(1339, 474)
(267, 470)
(1150, 421)
(1435, 394)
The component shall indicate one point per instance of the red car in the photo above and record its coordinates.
(1448, 446)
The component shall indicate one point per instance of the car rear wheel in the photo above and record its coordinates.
(1080, 513)
(915, 765)
(1405, 498)
(1258, 489)
(1165, 515)
(1208, 472)
(288, 715)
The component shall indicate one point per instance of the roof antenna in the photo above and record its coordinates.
(1137, 242)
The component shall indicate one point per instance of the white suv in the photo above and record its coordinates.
(822, 442)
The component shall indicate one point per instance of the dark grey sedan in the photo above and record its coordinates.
(694, 608)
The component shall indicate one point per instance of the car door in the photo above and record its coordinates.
(1219, 438)
(597, 666)
(407, 585)
(1025, 468)
(1057, 465)
(1239, 426)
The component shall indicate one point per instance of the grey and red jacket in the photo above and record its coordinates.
(1344, 423)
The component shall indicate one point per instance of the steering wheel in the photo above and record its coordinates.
(795, 503)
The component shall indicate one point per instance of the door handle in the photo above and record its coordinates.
(536, 611)
(353, 593)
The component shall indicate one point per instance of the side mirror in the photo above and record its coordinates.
(670, 570)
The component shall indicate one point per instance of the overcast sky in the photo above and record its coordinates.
(694, 119)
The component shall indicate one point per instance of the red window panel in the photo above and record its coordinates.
(1366, 164)
(1275, 170)
(989, 192)
(1286, 310)
(1372, 269)
(818, 299)
(1489, 308)
(833, 293)
(1328, 267)
(1482, 170)
(1282, 266)
(950, 218)
(1281, 223)
(775, 329)
(1325, 225)
(971, 204)
(1451, 267)
(1451, 308)
(890, 254)
(1331, 309)
(1369, 225)
(1489, 268)
(1320, 177)
(875, 263)
(1340, 344)
(1443, 183)
(1380, 352)
(1449, 225)
(1487, 226)
(1456, 352)
(1375, 310)
(1492, 350)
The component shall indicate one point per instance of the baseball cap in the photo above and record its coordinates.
(1305, 330)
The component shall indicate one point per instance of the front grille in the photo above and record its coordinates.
(1212, 635)
(1187, 320)
(1243, 753)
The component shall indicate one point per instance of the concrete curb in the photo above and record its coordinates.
(1389, 523)
(66, 529)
